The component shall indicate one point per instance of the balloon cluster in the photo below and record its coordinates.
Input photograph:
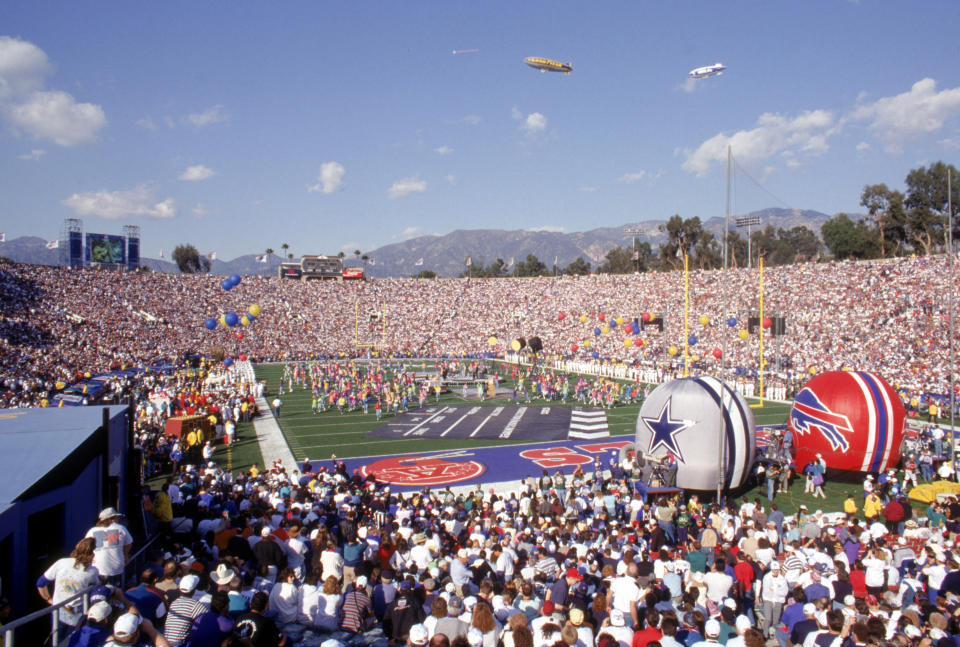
(232, 319)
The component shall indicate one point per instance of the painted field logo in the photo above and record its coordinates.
(424, 471)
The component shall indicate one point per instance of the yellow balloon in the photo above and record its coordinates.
(583, 318)
(743, 334)
(673, 350)
(244, 321)
(87, 375)
(254, 310)
(704, 319)
(605, 330)
(223, 320)
(586, 344)
(813, 370)
(515, 344)
(492, 341)
(619, 321)
(695, 358)
(628, 342)
(60, 386)
(44, 403)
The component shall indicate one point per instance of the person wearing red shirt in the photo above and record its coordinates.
(743, 584)
(650, 633)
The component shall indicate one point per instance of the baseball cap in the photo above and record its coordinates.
(419, 635)
(361, 581)
(188, 583)
(711, 627)
(99, 611)
(809, 609)
(849, 600)
(743, 623)
(774, 565)
(126, 625)
(616, 619)
(101, 593)
(574, 573)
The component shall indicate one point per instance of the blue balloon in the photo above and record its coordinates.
(226, 284)
(596, 355)
(613, 324)
(210, 323)
(227, 361)
(692, 340)
(232, 319)
(596, 331)
(732, 322)
(251, 318)
(235, 279)
(635, 327)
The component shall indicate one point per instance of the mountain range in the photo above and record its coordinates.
(446, 255)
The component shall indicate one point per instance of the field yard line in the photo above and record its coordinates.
(480, 426)
(462, 418)
(273, 444)
(407, 433)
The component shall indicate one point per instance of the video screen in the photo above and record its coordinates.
(102, 248)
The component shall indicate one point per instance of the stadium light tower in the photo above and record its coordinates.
(748, 222)
(634, 231)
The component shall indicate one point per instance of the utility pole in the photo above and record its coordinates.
(634, 231)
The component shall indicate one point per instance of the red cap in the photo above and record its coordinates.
(574, 573)
(548, 607)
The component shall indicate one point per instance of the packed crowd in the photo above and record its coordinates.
(314, 556)
(886, 316)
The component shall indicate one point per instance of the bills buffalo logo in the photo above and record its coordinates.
(810, 414)
(422, 471)
(665, 430)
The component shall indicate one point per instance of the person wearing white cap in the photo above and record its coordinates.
(618, 629)
(183, 611)
(741, 624)
(711, 634)
(113, 544)
(773, 593)
(129, 629)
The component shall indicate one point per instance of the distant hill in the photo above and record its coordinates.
(445, 255)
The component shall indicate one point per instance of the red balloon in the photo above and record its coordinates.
(646, 316)
(639, 342)
(561, 316)
(601, 316)
(239, 336)
(574, 348)
(717, 353)
(243, 357)
(767, 322)
(854, 420)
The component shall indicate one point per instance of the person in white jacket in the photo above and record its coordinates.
(773, 592)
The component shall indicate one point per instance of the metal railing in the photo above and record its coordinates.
(133, 566)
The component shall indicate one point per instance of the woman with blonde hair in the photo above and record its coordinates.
(328, 605)
(518, 619)
(70, 576)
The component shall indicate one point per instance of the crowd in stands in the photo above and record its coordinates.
(314, 556)
(886, 316)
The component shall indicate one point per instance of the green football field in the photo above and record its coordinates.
(318, 436)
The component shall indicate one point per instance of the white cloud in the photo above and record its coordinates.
(212, 115)
(905, 116)
(119, 205)
(147, 123)
(689, 85)
(201, 210)
(589, 189)
(405, 187)
(451, 179)
(774, 134)
(472, 120)
(863, 146)
(443, 150)
(515, 113)
(632, 178)
(57, 116)
(41, 113)
(534, 123)
(330, 178)
(23, 67)
(196, 173)
(550, 228)
(411, 232)
(34, 155)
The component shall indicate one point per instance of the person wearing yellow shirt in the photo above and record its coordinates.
(872, 506)
(850, 506)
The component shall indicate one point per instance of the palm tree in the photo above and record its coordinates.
(356, 253)
(285, 247)
(269, 250)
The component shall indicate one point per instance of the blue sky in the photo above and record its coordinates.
(239, 126)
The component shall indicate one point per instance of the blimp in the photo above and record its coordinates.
(548, 65)
(708, 70)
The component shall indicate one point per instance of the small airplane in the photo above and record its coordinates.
(709, 70)
(548, 65)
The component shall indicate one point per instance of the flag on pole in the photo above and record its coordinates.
(510, 264)
(636, 256)
(262, 258)
(53, 244)
(3, 236)
(212, 256)
(419, 262)
(555, 259)
(469, 261)
(161, 253)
